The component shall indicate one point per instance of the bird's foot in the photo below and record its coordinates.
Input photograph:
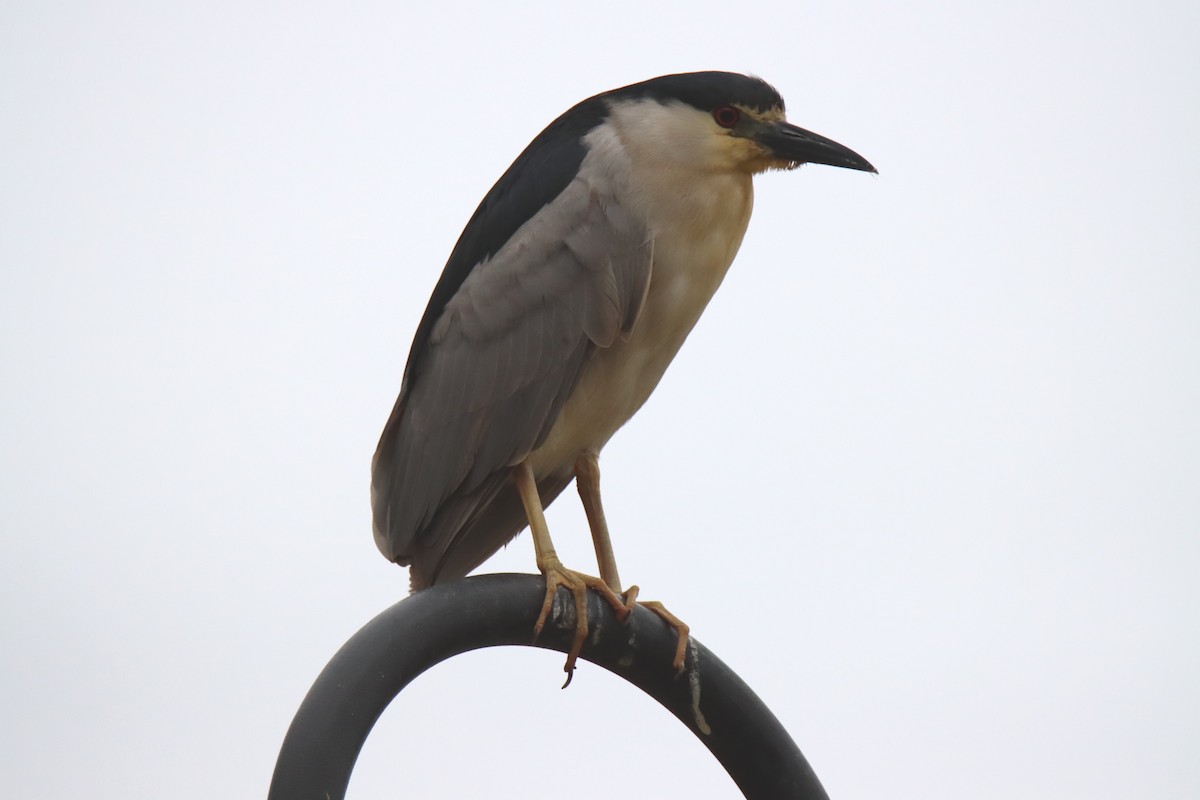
(577, 583)
(682, 631)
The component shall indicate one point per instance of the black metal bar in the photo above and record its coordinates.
(428, 627)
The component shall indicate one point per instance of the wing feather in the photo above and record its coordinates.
(499, 363)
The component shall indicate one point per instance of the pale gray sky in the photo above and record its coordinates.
(947, 417)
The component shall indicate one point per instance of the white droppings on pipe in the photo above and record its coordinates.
(693, 669)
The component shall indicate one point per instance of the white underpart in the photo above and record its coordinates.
(686, 177)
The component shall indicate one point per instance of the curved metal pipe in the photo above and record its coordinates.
(333, 722)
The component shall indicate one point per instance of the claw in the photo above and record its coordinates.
(682, 631)
(557, 575)
(577, 584)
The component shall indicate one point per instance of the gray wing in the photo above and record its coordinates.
(500, 361)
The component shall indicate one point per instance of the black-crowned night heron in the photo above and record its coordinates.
(569, 292)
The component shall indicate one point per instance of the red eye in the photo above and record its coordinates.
(726, 116)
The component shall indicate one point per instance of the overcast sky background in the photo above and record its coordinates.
(927, 473)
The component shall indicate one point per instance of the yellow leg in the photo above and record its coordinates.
(587, 481)
(556, 574)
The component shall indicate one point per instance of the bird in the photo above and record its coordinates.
(567, 295)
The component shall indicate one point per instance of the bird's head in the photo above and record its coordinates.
(719, 121)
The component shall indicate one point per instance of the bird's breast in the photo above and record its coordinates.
(696, 236)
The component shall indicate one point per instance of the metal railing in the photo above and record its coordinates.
(375, 665)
